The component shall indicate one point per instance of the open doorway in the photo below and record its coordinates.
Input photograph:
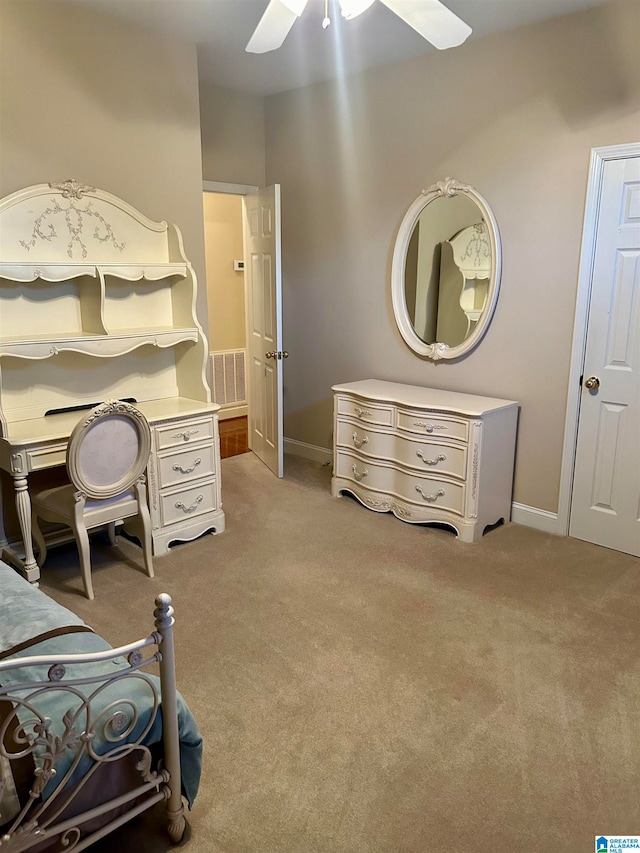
(244, 292)
(225, 285)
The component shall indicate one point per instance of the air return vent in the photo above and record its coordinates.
(229, 386)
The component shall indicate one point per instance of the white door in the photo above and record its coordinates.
(605, 506)
(264, 324)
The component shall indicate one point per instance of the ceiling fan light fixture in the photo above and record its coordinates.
(352, 8)
(434, 21)
(430, 18)
(296, 6)
(274, 25)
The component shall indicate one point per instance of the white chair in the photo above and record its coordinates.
(107, 455)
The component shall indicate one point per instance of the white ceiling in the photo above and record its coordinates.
(222, 28)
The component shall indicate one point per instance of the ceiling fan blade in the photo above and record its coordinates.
(432, 20)
(274, 25)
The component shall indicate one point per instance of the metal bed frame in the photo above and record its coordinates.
(49, 823)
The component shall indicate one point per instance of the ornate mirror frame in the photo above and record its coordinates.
(437, 350)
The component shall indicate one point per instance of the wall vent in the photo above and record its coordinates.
(228, 371)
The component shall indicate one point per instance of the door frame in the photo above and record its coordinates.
(228, 189)
(231, 189)
(599, 156)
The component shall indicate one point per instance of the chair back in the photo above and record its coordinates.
(108, 450)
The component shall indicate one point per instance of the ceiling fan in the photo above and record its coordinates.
(434, 21)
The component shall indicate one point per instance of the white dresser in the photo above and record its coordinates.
(425, 455)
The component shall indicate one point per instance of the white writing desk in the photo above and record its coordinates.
(183, 473)
(98, 302)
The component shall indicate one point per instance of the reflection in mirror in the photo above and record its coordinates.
(446, 271)
(445, 274)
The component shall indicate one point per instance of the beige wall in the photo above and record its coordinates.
(232, 136)
(516, 116)
(225, 286)
(86, 96)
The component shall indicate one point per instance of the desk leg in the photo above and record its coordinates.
(3, 535)
(23, 506)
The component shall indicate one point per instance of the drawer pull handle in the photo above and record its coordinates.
(186, 435)
(429, 427)
(439, 458)
(359, 442)
(357, 474)
(189, 470)
(430, 498)
(193, 507)
(362, 412)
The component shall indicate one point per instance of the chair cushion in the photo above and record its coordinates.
(61, 500)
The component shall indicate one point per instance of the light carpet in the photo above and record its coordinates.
(368, 686)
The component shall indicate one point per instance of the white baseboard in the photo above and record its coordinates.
(531, 516)
(308, 451)
(227, 412)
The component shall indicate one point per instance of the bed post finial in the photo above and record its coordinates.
(163, 613)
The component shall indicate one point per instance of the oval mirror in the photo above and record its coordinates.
(445, 273)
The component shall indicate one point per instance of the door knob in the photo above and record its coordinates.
(270, 355)
(592, 383)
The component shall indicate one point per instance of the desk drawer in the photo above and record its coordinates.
(179, 433)
(182, 504)
(46, 457)
(181, 466)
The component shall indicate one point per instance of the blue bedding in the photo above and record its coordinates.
(32, 624)
(26, 612)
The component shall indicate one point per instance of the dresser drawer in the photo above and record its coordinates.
(365, 411)
(436, 425)
(423, 455)
(181, 504)
(422, 491)
(181, 432)
(183, 465)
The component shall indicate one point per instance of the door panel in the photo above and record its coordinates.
(257, 308)
(606, 491)
(257, 403)
(264, 290)
(268, 300)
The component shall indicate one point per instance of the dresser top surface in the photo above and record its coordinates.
(420, 397)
